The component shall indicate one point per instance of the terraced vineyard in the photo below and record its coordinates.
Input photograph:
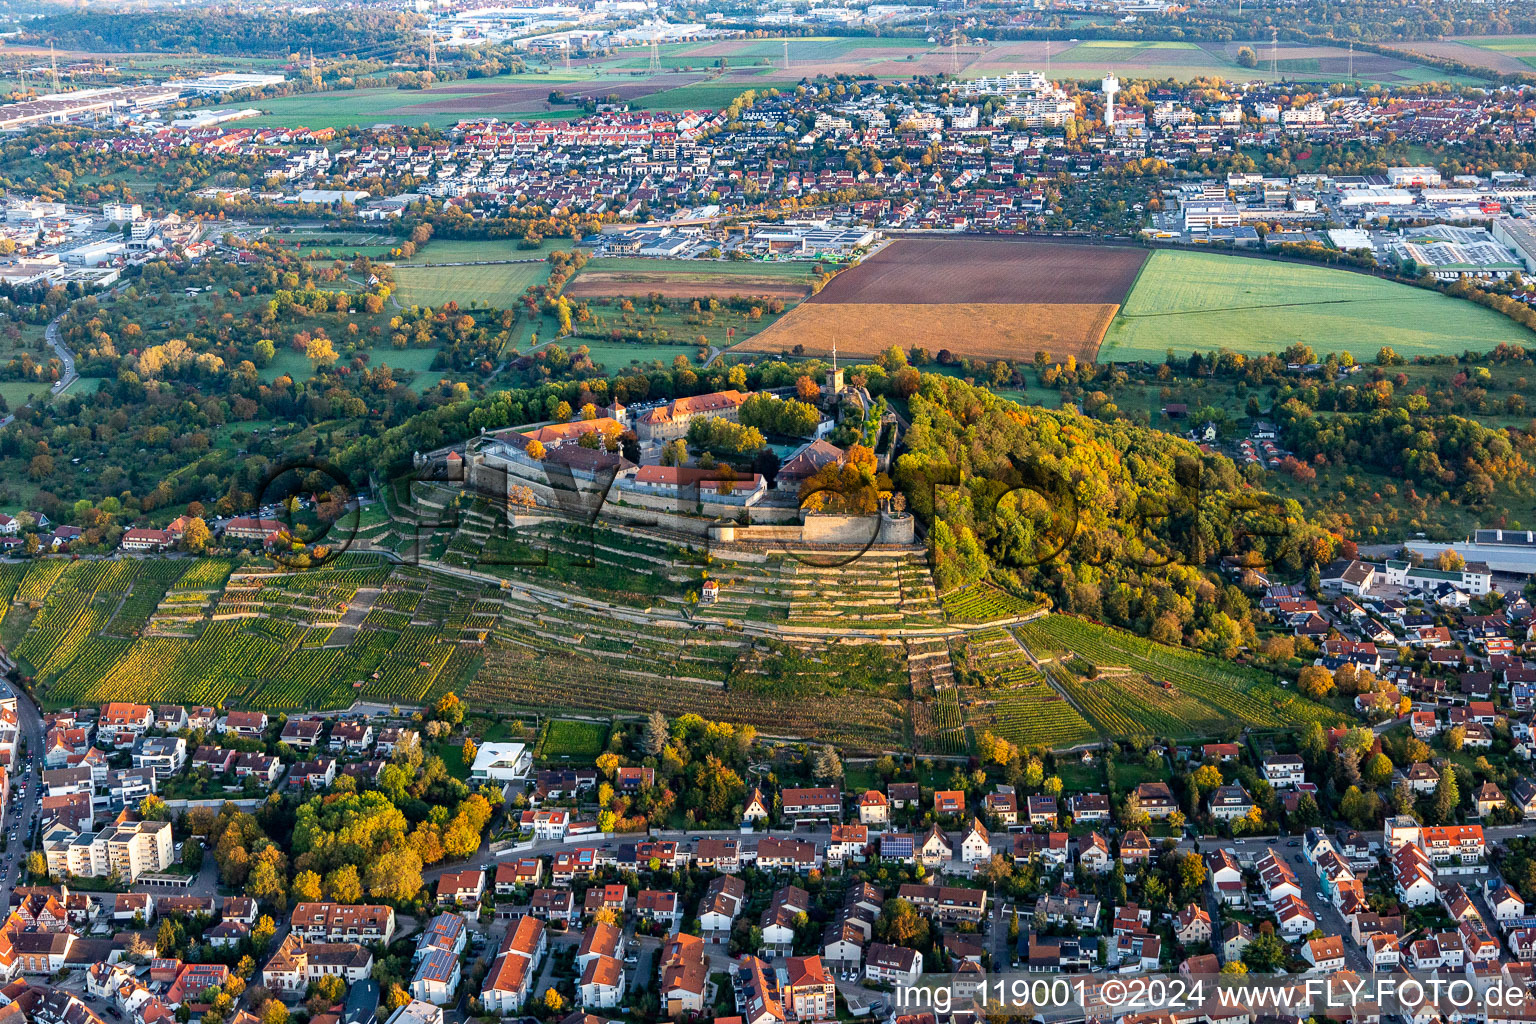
(195, 632)
(982, 602)
(11, 575)
(865, 654)
(1151, 689)
(1016, 702)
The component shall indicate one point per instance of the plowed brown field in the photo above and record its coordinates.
(988, 269)
(981, 330)
(978, 296)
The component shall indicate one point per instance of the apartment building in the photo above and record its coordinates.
(128, 849)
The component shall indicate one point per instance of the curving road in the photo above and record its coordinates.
(66, 359)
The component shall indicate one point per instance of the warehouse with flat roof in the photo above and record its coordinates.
(1520, 236)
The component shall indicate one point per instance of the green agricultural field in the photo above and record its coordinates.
(496, 285)
(707, 95)
(454, 250)
(1503, 44)
(1188, 301)
(395, 106)
(982, 602)
(702, 269)
(566, 739)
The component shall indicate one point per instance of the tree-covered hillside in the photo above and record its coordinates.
(1107, 519)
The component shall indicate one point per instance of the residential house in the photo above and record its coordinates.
(874, 809)
(507, 983)
(885, 964)
(1284, 771)
(1155, 800)
(684, 975)
(818, 803)
(1192, 925)
(461, 888)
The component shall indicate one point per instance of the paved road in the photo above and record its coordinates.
(66, 359)
(27, 771)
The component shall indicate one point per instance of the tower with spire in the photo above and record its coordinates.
(834, 385)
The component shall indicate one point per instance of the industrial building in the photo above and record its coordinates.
(96, 103)
(1520, 236)
(226, 81)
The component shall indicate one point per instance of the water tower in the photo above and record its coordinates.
(1111, 85)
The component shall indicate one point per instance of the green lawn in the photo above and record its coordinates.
(289, 363)
(498, 285)
(16, 392)
(413, 360)
(568, 739)
(618, 357)
(453, 250)
(1204, 301)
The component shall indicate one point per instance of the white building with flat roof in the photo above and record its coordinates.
(502, 762)
(226, 81)
(1412, 177)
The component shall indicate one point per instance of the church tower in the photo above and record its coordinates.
(834, 385)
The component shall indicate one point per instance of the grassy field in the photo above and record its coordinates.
(566, 739)
(392, 106)
(495, 285)
(1204, 301)
(618, 357)
(703, 270)
(707, 95)
(16, 392)
(453, 250)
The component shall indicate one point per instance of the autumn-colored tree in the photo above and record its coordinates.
(320, 352)
(306, 887)
(196, 535)
(344, 884)
(1315, 682)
